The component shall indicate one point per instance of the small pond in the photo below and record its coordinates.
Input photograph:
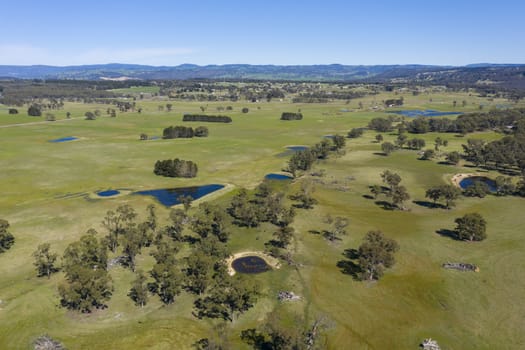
(469, 181)
(64, 139)
(421, 113)
(277, 177)
(169, 196)
(291, 150)
(108, 193)
(250, 264)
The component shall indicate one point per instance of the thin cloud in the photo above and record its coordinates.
(31, 55)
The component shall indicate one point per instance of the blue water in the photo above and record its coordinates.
(65, 139)
(297, 148)
(250, 264)
(278, 177)
(469, 181)
(425, 113)
(108, 193)
(290, 150)
(169, 196)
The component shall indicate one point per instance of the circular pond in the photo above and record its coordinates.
(108, 193)
(250, 264)
(471, 180)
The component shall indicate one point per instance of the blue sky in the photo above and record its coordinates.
(445, 32)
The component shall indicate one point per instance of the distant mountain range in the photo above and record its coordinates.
(332, 72)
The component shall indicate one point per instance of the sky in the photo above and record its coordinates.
(283, 32)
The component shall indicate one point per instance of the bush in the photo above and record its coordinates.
(245, 110)
(13, 111)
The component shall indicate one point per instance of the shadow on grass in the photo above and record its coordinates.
(430, 205)
(367, 196)
(445, 163)
(349, 266)
(386, 205)
(448, 233)
(380, 154)
(314, 232)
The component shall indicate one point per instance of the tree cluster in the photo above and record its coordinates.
(174, 132)
(206, 118)
(291, 116)
(175, 168)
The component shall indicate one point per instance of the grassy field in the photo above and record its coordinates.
(44, 187)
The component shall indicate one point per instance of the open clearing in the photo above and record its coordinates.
(44, 188)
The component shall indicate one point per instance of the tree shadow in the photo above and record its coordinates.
(329, 236)
(430, 205)
(443, 162)
(380, 154)
(386, 205)
(448, 233)
(349, 266)
(367, 196)
(314, 232)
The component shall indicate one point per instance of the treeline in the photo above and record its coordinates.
(503, 120)
(499, 120)
(174, 132)
(506, 154)
(291, 116)
(175, 168)
(206, 118)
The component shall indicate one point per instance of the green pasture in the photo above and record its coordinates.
(44, 187)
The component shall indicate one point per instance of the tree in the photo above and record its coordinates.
(245, 110)
(87, 284)
(504, 186)
(438, 142)
(447, 192)
(428, 154)
(390, 178)
(198, 272)
(453, 157)
(375, 254)
(167, 276)
(45, 260)
(380, 124)
(90, 115)
(228, 298)
(283, 236)
(6, 238)
(379, 138)
(305, 195)
(387, 147)
(139, 290)
(399, 195)
(169, 106)
(34, 110)
(185, 201)
(337, 228)
(471, 227)
(477, 189)
(143, 137)
(355, 133)
(118, 223)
